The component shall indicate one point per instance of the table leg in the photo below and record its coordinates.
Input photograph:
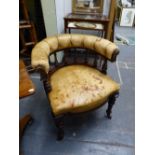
(69, 30)
(102, 33)
(65, 26)
(22, 124)
(106, 31)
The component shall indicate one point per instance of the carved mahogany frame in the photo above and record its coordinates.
(99, 62)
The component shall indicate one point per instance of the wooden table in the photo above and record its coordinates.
(26, 86)
(22, 125)
(101, 22)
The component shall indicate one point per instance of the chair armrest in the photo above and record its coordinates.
(43, 74)
(39, 56)
(44, 78)
(106, 48)
(114, 55)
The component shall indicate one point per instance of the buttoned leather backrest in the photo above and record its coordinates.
(44, 48)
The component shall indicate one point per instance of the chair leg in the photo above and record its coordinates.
(60, 126)
(111, 102)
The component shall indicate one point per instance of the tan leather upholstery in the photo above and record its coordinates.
(42, 50)
(79, 88)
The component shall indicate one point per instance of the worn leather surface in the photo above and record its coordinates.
(42, 49)
(79, 88)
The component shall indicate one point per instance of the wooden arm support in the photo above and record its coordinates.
(114, 55)
(44, 78)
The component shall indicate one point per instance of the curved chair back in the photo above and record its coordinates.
(50, 45)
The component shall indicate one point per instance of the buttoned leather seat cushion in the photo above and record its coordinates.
(79, 88)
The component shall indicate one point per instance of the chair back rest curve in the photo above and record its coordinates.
(50, 45)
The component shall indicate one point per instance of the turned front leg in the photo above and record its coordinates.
(111, 102)
(60, 127)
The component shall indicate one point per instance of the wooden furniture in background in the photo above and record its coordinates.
(104, 24)
(100, 22)
(27, 32)
(111, 24)
(27, 41)
(26, 86)
(22, 125)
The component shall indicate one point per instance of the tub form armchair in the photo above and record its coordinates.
(76, 84)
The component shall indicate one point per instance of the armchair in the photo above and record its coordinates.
(76, 84)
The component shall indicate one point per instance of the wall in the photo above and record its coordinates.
(51, 20)
(106, 6)
(63, 7)
(49, 14)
